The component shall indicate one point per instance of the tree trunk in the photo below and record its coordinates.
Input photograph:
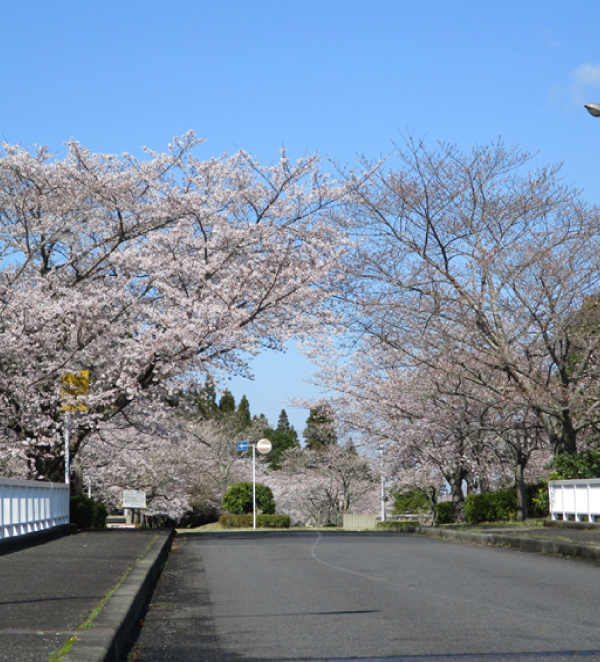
(458, 500)
(521, 492)
(433, 492)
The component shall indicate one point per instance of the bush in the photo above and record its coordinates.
(502, 505)
(262, 521)
(414, 501)
(444, 513)
(582, 466)
(396, 526)
(238, 499)
(538, 500)
(86, 513)
(100, 515)
(491, 506)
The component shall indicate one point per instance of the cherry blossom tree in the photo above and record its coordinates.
(471, 262)
(318, 487)
(148, 274)
(184, 463)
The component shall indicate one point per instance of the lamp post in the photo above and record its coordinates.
(382, 495)
(263, 446)
(593, 109)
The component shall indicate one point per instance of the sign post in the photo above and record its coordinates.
(263, 446)
(133, 500)
(74, 384)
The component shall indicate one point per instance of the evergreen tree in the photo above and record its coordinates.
(227, 403)
(243, 412)
(206, 399)
(319, 432)
(283, 437)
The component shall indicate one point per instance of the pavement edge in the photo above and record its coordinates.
(539, 545)
(108, 637)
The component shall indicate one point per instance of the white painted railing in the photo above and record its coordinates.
(28, 505)
(576, 498)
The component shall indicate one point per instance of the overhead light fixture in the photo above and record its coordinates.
(593, 109)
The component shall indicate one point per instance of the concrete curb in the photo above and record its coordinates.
(17, 543)
(539, 545)
(107, 639)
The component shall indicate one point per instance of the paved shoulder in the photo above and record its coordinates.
(48, 590)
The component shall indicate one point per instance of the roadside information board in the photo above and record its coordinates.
(134, 499)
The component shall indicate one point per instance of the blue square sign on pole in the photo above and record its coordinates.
(242, 445)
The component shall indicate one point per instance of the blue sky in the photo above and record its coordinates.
(339, 77)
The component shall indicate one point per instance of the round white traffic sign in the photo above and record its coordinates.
(263, 446)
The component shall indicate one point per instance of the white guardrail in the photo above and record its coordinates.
(27, 506)
(577, 498)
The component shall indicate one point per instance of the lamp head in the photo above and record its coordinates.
(593, 109)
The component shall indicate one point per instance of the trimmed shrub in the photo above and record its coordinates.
(502, 505)
(444, 513)
(86, 513)
(262, 521)
(491, 506)
(238, 499)
(396, 526)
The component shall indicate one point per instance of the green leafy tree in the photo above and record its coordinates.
(583, 466)
(412, 501)
(238, 499)
(283, 437)
(319, 433)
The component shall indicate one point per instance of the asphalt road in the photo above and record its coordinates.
(245, 597)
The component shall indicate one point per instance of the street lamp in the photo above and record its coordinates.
(382, 495)
(593, 109)
(263, 446)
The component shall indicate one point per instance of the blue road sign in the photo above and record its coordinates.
(242, 445)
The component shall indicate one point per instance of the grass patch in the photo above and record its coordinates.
(55, 657)
(87, 624)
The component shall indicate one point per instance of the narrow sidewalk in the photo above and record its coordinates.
(49, 593)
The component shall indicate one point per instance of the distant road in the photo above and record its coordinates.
(245, 597)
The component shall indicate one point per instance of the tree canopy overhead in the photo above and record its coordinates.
(145, 273)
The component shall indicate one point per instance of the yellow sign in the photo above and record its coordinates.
(74, 385)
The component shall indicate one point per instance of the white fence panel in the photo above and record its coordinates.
(576, 498)
(27, 506)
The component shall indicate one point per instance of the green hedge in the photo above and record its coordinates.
(491, 506)
(502, 505)
(86, 513)
(444, 513)
(262, 521)
(396, 526)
